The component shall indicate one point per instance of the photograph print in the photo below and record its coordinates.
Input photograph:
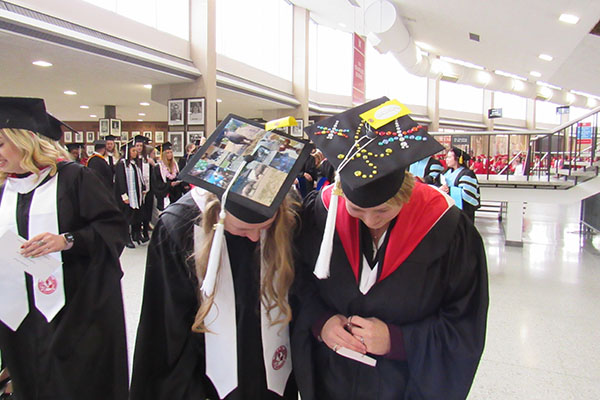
(260, 181)
(79, 137)
(298, 130)
(175, 110)
(193, 136)
(68, 137)
(148, 134)
(104, 127)
(90, 136)
(195, 111)
(159, 137)
(176, 139)
(124, 136)
(115, 127)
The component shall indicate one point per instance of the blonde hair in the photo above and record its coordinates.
(277, 253)
(403, 194)
(37, 151)
(171, 165)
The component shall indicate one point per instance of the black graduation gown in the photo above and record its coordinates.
(432, 172)
(437, 297)
(133, 216)
(82, 352)
(100, 167)
(169, 361)
(161, 189)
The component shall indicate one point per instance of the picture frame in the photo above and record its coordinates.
(175, 111)
(195, 111)
(176, 139)
(79, 137)
(148, 134)
(159, 137)
(68, 137)
(192, 136)
(90, 136)
(298, 130)
(104, 126)
(89, 149)
(115, 127)
(135, 133)
(124, 136)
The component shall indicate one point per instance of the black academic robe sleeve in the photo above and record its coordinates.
(104, 171)
(160, 188)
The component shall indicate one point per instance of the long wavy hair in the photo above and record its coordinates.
(37, 151)
(277, 253)
(170, 164)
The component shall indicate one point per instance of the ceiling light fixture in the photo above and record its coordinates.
(570, 98)
(219, 101)
(509, 75)
(143, 103)
(535, 73)
(518, 85)
(591, 103)
(548, 85)
(569, 18)
(142, 114)
(545, 57)
(461, 62)
(140, 120)
(483, 78)
(41, 63)
(70, 92)
(148, 86)
(84, 107)
(93, 116)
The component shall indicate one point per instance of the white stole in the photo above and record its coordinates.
(221, 341)
(368, 276)
(49, 292)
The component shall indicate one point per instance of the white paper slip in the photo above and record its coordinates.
(354, 355)
(10, 257)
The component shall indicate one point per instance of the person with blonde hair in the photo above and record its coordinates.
(165, 185)
(398, 272)
(216, 306)
(62, 328)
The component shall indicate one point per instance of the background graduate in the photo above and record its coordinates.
(99, 164)
(427, 170)
(205, 334)
(399, 272)
(129, 192)
(461, 183)
(167, 188)
(62, 336)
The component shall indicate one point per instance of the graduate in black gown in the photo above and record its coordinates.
(98, 163)
(62, 336)
(112, 155)
(207, 336)
(401, 280)
(428, 170)
(167, 188)
(129, 192)
(461, 183)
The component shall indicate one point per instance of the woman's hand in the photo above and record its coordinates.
(373, 333)
(445, 188)
(335, 335)
(175, 183)
(42, 244)
(126, 202)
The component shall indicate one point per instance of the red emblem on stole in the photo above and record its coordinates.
(279, 357)
(48, 286)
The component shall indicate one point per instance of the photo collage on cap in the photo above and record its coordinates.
(274, 156)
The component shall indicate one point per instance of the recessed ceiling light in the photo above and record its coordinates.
(93, 116)
(144, 104)
(219, 101)
(148, 86)
(568, 18)
(545, 57)
(142, 114)
(84, 107)
(140, 120)
(535, 73)
(41, 63)
(70, 92)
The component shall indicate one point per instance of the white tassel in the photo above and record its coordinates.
(214, 257)
(322, 266)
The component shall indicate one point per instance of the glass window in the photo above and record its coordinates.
(331, 60)
(257, 33)
(512, 106)
(457, 97)
(385, 76)
(576, 112)
(545, 112)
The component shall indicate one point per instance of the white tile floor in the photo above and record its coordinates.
(543, 339)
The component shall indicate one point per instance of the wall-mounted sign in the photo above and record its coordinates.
(461, 140)
(495, 113)
(563, 109)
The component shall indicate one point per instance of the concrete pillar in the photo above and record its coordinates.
(433, 103)
(110, 112)
(301, 20)
(530, 114)
(513, 229)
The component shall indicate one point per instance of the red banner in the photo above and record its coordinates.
(358, 76)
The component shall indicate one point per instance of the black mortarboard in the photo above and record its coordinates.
(73, 146)
(141, 139)
(461, 156)
(110, 137)
(374, 150)
(30, 114)
(269, 162)
(165, 146)
(99, 144)
(125, 148)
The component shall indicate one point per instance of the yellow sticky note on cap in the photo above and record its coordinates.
(384, 113)
(280, 123)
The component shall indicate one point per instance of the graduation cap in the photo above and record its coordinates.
(461, 156)
(165, 146)
(370, 146)
(99, 144)
(73, 146)
(251, 175)
(125, 148)
(141, 139)
(110, 137)
(30, 114)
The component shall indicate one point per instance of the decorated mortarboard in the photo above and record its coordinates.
(250, 169)
(73, 146)
(370, 146)
(30, 114)
(141, 139)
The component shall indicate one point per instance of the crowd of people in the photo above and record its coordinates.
(359, 280)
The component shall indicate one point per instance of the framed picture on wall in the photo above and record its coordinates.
(159, 137)
(79, 137)
(115, 127)
(148, 134)
(68, 137)
(89, 149)
(104, 126)
(192, 136)
(176, 139)
(298, 130)
(135, 133)
(175, 109)
(90, 136)
(124, 136)
(195, 111)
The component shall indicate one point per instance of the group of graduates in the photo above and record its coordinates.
(373, 287)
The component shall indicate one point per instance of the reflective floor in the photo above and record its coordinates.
(543, 338)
